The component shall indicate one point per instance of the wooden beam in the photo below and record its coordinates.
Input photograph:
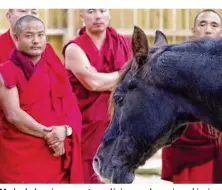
(187, 17)
(174, 21)
(161, 28)
(122, 19)
(147, 19)
(135, 17)
(71, 28)
(167, 32)
(46, 18)
(49, 31)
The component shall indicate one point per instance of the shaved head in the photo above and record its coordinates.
(205, 11)
(23, 20)
(95, 20)
(207, 24)
(30, 37)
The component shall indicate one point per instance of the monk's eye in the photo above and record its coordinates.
(118, 99)
(28, 35)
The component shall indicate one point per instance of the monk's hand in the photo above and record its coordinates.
(45, 131)
(58, 134)
(58, 148)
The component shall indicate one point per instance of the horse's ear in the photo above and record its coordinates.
(160, 39)
(139, 44)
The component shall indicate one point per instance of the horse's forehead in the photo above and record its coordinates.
(125, 81)
(136, 72)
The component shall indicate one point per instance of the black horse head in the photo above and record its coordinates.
(161, 88)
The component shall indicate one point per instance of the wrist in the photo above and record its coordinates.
(40, 128)
(43, 130)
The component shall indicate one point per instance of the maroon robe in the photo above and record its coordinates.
(94, 105)
(46, 94)
(6, 46)
(196, 157)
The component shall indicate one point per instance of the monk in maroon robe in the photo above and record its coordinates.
(40, 122)
(6, 46)
(93, 60)
(196, 157)
(7, 40)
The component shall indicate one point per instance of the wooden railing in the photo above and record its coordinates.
(63, 24)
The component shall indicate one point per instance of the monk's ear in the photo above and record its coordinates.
(81, 16)
(139, 44)
(160, 39)
(15, 37)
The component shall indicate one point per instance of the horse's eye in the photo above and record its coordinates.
(132, 84)
(118, 99)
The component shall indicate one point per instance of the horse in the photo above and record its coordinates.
(160, 89)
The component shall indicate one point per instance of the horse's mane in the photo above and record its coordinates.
(204, 46)
(123, 73)
(211, 46)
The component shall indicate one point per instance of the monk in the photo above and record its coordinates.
(93, 61)
(196, 157)
(40, 122)
(7, 41)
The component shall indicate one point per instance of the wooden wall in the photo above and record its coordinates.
(63, 24)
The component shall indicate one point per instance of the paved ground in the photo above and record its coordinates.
(149, 180)
(153, 163)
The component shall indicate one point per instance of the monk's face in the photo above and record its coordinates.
(208, 24)
(95, 20)
(14, 14)
(32, 39)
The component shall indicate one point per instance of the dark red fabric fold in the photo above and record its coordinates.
(194, 149)
(24, 62)
(46, 95)
(115, 52)
(6, 46)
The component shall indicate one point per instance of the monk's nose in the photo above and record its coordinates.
(208, 30)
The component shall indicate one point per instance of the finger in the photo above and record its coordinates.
(63, 151)
(54, 146)
(58, 134)
(56, 154)
(57, 151)
(48, 136)
(53, 140)
(60, 149)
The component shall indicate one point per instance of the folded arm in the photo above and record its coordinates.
(77, 62)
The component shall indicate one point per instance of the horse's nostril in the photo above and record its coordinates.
(96, 162)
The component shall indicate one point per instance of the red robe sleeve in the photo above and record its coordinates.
(9, 79)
